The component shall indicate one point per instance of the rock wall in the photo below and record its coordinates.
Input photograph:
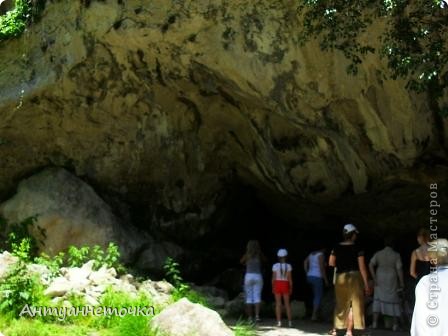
(165, 102)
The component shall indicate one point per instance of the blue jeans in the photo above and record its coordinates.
(317, 285)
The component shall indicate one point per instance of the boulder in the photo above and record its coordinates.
(159, 291)
(58, 287)
(42, 271)
(6, 261)
(103, 276)
(210, 291)
(184, 318)
(223, 90)
(215, 297)
(154, 256)
(235, 307)
(70, 213)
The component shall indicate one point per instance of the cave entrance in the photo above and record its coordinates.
(248, 217)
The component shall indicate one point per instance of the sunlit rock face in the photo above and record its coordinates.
(68, 212)
(165, 103)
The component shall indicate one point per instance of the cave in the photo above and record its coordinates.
(179, 129)
(246, 214)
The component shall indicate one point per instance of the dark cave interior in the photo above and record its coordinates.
(250, 218)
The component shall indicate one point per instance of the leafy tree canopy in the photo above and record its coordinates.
(414, 40)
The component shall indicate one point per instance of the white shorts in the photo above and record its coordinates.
(253, 284)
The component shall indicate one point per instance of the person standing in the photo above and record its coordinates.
(351, 278)
(282, 286)
(253, 279)
(387, 272)
(316, 275)
(419, 257)
(431, 295)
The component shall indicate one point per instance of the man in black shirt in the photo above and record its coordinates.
(351, 273)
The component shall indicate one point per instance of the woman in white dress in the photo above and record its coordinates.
(387, 272)
(431, 295)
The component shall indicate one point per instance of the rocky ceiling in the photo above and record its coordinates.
(169, 104)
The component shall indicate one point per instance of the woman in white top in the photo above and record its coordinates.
(282, 286)
(316, 275)
(431, 295)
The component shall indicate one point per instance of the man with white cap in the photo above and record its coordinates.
(351, 272)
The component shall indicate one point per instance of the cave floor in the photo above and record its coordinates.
(302, 328)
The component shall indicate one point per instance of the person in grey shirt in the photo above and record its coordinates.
(253, 279)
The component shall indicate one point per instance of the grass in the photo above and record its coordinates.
(244, 329)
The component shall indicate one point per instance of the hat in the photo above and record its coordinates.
(282, 253)
(350, 228)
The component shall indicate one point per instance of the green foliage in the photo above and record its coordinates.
(20, 242)
(22, 248)
(413, 41)
(77, 256)
(172, 272)
(181, 288)
(53, 263)
(112, 258)
(26, 327)
(119, 300)
(19, 288)
(244, 329)
(133, 325)
(14, 22)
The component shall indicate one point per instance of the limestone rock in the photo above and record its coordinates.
(42, 271)
(163, 287)
(184, 318)
(167, 103)
(235, 307)
(215, 297)
(58, 287)
(223, 92)
(102, 276)
(70, 213)
(6, 261)
(153, 258)
(159, 291)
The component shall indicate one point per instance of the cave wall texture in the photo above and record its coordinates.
(164, 103)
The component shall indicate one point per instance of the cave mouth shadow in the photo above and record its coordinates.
(248, 217)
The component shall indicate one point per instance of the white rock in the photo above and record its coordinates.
(101, 277)
(163, 287)
(70, 213)
(6, 261)
(91, 301)
(184, 318)
(41, 270)
(58, 287)
(112, 271)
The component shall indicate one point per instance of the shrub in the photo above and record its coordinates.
(14, 22)
(24, 327)
(119, 300)
(19, 241)
(19, 288)
(53, 263)
(244, 329)
(76, 257)
(181, 288)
